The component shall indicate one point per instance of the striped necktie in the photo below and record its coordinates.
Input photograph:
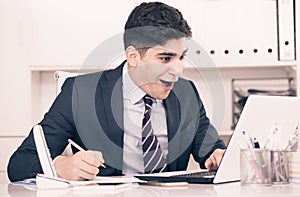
(154, 160)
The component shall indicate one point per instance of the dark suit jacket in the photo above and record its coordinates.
(89, 110)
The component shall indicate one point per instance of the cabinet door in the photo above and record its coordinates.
(15, 79)
(240, 32)
(64, 32)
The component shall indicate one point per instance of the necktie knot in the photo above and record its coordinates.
(148, 100)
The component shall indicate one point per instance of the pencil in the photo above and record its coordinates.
(75, 145)
(81, 149)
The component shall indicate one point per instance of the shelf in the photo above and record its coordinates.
(52, 68)
(288, 65)
(12, 134)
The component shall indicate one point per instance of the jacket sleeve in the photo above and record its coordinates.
(206, 139)
(58, 126)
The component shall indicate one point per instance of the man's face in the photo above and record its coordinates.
(159, 68)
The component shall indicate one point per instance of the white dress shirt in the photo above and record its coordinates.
(133, 115)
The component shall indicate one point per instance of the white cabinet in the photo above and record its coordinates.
(240, 33)
(64, 32)
(232, 33)
(15, 75)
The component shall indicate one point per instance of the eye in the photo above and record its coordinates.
(165, 59)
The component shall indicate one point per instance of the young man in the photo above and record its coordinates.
(141, 116)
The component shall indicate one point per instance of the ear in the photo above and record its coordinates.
(132, 56)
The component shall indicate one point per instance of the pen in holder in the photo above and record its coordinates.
(280, 166)
(255, 168)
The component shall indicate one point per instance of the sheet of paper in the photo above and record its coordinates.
(107, 180)
(49, 182)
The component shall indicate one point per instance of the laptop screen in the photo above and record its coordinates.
(257, 119)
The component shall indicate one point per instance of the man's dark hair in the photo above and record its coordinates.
(154, 23)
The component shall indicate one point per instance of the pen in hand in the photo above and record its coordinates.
(81, 149)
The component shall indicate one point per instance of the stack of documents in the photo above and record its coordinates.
(294, 167)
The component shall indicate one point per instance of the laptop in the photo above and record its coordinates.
(257, 119)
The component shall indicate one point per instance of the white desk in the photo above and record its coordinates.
(228, 189)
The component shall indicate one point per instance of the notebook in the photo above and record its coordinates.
(43, 151)
(257, 119)
(50, 180)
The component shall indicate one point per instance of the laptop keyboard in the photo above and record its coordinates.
(198, 174)
(205, 177)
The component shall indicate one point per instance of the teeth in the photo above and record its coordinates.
(166, 83)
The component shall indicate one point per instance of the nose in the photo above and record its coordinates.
(177, 68)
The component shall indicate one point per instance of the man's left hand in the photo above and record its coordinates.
(213, 162)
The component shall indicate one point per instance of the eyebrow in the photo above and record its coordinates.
(166, 54)
(170, 54)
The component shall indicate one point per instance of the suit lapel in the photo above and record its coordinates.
(172, 107)
(110, 98)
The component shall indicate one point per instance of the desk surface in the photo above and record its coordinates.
(228, 189)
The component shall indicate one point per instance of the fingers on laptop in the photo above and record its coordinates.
(210, 163)
(213, 162)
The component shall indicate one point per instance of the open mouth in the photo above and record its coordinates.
(166, 83)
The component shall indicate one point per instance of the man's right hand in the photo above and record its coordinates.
(80, 166)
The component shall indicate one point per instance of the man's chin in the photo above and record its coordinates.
(164, 95)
